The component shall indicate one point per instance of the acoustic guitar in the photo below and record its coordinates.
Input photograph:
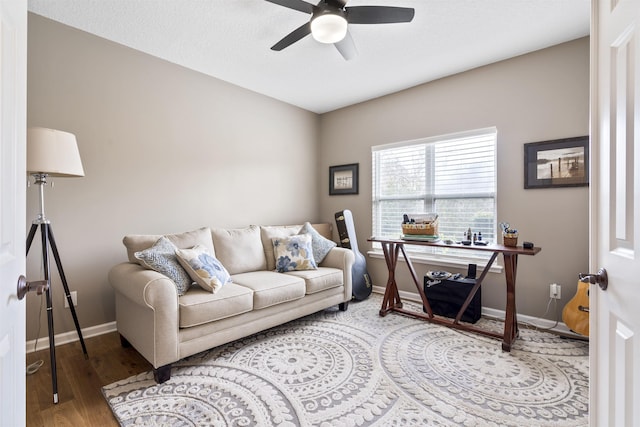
(361, 287)
(576, 313)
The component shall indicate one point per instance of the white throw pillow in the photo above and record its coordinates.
(270, 232)
(203, 268)
(294, 253)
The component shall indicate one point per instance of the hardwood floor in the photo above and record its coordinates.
(79, 382)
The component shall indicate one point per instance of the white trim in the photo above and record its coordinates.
(560, 328)
(105, 328)
(439, 138)
(442, 260)
(69, 337)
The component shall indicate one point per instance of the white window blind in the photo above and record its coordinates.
(452, 175)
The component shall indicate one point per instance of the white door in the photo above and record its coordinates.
(13, 99)
(615, 213)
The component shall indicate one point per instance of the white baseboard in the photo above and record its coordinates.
(68, 337)
(550, 325)
(93, 331)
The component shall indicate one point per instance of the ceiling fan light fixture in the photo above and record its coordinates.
(329, 28)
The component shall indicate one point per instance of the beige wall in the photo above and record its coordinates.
(165, 149)
(540, 96)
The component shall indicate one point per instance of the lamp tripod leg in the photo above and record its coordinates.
(52, 345)
(56, 256)
(48, 241)
(32, 233)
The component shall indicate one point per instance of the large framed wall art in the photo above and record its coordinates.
(557, 163)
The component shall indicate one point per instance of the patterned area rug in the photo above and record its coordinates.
(356, 368)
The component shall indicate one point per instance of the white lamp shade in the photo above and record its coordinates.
(53, 152)
(328, 28)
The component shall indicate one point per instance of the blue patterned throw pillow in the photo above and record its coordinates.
(161, 257)
(321, 245)
(294, 253)
(203, 268)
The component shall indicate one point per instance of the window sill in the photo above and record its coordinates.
(443, 261)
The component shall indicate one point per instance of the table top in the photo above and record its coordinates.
(492, 247)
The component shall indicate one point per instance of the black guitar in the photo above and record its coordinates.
(347, 233)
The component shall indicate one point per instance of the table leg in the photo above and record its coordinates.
(475, 288)
(418, 283)
(391, 295)
(510, 321)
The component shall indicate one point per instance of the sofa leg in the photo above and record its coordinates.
(124, 342)
(343, 306)
(162, 374)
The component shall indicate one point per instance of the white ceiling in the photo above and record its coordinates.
(231, 40)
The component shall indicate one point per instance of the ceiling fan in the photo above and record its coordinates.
(329, 19)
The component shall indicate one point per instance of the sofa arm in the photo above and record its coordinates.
(147, 311)
(343, 259)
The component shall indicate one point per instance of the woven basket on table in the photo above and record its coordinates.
(510, 239)
(427, 229)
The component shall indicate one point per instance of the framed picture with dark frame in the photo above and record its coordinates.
(343, 179)
(557, 163)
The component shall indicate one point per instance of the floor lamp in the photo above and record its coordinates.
(51, 153)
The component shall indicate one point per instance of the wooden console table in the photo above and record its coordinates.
(392, 302)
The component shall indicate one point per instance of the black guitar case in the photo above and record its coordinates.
(347, 234)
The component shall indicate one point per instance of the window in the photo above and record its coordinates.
(451, 175)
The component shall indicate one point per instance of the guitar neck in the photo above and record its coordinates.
(347, 231)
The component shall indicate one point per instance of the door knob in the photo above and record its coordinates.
(599, 278)
(23, 286)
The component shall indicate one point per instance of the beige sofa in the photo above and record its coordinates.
(165, 327)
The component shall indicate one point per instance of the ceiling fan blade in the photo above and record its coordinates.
(379, 14)
(299, 5)
(295, 35)
(347, 47)
(337, 3)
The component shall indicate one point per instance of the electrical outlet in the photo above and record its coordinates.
(74, 298)
(555, 291)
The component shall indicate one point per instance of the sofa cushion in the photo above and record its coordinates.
(199, 306)
(161, 257)
(320, 245)
(268, 233)
(139, 242)
(239, 250)
(294, 253)
(319, 280)
(270, 288)
(203, 268)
